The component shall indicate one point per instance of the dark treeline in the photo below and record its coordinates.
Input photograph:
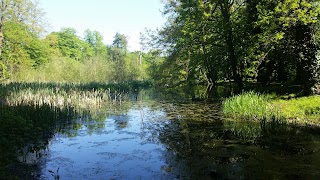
(247, 40)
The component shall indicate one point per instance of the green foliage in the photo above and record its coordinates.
(22, 48)
(120, 42)
(61, 56)
(68, 70)
(304, 109)
(94, 39)
(249, 105)
(20, 27)
(72, 46)
(253, 106)
(51, 41)
(267, 41)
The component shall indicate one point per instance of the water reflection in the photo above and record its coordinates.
(146, 139)
(125, 148)
(120, 121)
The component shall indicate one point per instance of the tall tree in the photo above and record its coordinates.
(3, 12)
(291, 23)
(27, 12)
(201, 34)
(118, 52)
(268, 40)
(72, 46)
(22, 17)
(94, 39)
(226, 7)
(120, 42)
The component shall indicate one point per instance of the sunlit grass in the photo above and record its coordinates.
(304, 109)
(249, 105)
(255, 106)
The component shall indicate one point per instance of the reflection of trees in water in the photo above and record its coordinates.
(199, 145)
(221, 149)
(26, 131)
(188, 137)
(121, 121)
(273, 134)
(94, 121)
(189, 147)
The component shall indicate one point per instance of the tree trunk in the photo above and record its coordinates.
(209, 74)
(230, 44)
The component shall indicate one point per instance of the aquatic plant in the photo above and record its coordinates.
(81, 97)
(248, 105)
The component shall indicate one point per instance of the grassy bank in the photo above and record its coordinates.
(254, 106)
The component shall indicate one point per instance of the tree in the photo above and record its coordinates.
(24, 18)
(94, 39)
(118, 52)
(71, 45)
(291, 24)
(120, 42)
(20, 11)
(200, 36)
(267, 40)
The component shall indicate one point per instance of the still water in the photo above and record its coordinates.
(145, 139)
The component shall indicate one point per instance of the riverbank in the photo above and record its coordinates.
(254, 106)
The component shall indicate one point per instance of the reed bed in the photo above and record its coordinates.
(63, 99)
(78, 96)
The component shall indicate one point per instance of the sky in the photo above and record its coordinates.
(128, 17)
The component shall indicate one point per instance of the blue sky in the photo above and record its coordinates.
(129, 17)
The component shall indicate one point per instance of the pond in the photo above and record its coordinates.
(152, 139)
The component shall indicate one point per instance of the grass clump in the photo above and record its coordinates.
(248, 105)
(255, 106)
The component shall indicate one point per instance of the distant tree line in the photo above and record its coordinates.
(27, 54)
